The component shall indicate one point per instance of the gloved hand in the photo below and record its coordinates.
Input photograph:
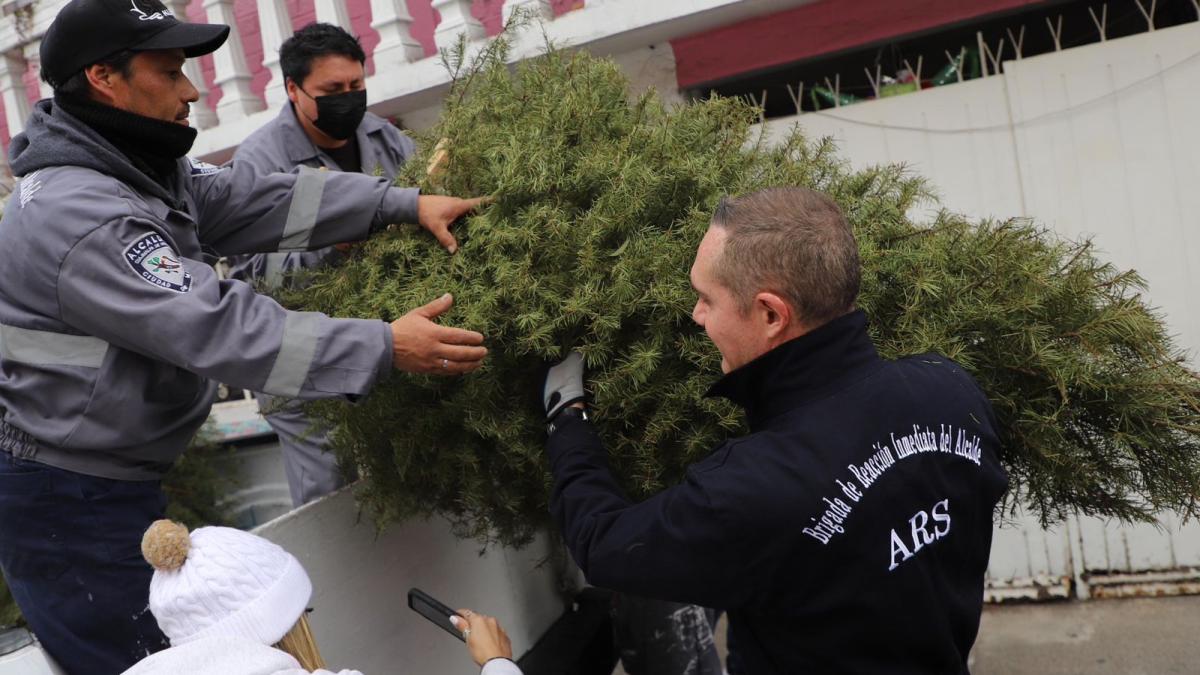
(563, 386)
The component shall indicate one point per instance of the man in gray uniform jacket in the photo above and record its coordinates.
(113, 329)
(326, 125)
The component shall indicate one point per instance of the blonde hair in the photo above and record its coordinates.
(300, 644)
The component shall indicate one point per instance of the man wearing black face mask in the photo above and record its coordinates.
(324, 75)
(338, 117)
(324, 125)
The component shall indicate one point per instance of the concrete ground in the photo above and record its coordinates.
(1142, 636)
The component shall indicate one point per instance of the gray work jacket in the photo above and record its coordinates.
(282, 145)
(112, 328)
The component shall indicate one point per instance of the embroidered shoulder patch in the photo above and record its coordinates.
(200, 168)
(153, 259)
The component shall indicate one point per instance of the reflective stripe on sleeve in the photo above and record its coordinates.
(46, 348)
(302, 212)
(300, 333)
(273, 272)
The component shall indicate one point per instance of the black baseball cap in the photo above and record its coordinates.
(87, 31)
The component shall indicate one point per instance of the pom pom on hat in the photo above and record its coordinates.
(165, 545)
(218, 581)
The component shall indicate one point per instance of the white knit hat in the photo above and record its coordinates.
(222, 582)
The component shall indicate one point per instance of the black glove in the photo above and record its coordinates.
(563, 386)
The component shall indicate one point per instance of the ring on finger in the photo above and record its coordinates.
(445, 363)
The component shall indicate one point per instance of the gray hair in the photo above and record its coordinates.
(791, 241)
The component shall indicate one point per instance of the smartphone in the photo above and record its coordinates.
(424, 604)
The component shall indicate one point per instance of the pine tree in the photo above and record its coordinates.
(10, 614)
(600, 201)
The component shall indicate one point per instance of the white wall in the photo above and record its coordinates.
(1096, 141)
(973, 172)
(1099, 141)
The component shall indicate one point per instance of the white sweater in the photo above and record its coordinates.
(233, 656)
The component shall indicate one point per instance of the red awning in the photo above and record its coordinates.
(823, 27)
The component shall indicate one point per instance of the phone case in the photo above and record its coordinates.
(439, 614)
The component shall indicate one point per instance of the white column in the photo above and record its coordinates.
(456, 18)
(540, 8)
(202, 116)
(33, 57)
(396, 43)
(334, 12)
(275, 24)
(12, 88)
(232, 74)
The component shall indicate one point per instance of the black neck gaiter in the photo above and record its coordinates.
(152, 145)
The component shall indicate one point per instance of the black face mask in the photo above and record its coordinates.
(338, 115)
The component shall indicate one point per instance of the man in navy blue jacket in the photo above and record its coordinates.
(849, 531)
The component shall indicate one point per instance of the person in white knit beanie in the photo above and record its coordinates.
(233, 603)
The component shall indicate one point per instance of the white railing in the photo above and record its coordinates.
(456, 20)
(12, 88)
(404, 77)
(391, 19)
(231, 73)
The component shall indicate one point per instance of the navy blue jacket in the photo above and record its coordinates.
(849, 532)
